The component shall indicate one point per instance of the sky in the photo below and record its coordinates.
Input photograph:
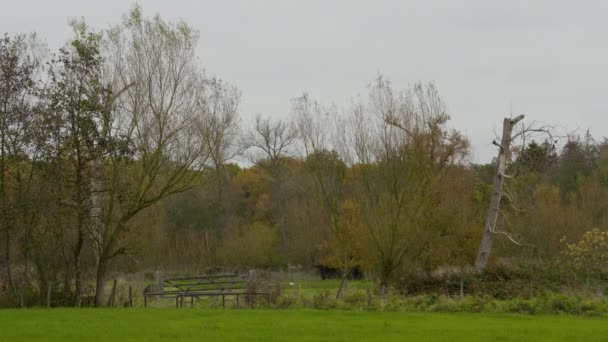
(489, 59)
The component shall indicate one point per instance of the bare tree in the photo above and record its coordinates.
(220, 130)
(270, 142)
(503, 159)
(319, 136)
(314, 124)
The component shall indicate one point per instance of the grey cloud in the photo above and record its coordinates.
(542, 58)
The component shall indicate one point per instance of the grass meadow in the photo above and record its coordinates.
(187, 324)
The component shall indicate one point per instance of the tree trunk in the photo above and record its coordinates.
(222, 204)
(96, 226)
(485, 247)
(7, 259)
(100, 288)
(4, 225)
(383, 289)
(346, 270)
(49, 291)
(96, 206)
(80, 198)
(279, 195)
(67, 280)
(42, 289)
(26, 256)
(78, 270)
(343, 286)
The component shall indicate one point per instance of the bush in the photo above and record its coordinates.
(358, 298)
(545, 302)
(500, 281)
(324, 300)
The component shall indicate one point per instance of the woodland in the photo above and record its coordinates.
(121, 154)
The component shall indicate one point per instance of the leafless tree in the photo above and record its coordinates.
(269, 142)
(490, 229)
(220, 130)
(319, 136)
(314, 123)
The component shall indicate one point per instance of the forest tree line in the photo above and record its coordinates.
(120, 153)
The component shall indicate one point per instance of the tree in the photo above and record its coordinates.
(576, 161)
(74, 99)
(155, 135)
(18, 89)
(589, 254)
(538, 158)
(489, 229)
(270, 141)
(402, 151)
(318, 136)
(328, 174)
(220, 102)
(502, 162)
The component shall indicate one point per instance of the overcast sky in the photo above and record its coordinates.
(545, 59)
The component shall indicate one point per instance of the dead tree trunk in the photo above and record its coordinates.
(489, 228)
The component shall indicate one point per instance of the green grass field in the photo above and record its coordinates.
(291, 325)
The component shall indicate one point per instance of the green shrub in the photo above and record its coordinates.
(324, 300)
(545, 302)
(356, 298)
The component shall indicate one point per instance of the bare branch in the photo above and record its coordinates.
(512, 239)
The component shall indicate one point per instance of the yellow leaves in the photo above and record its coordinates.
(590, 252)
(343, 247)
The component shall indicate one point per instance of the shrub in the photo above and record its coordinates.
(324, 300)
(357, 298)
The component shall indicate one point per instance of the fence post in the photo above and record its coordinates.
(159, 281)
